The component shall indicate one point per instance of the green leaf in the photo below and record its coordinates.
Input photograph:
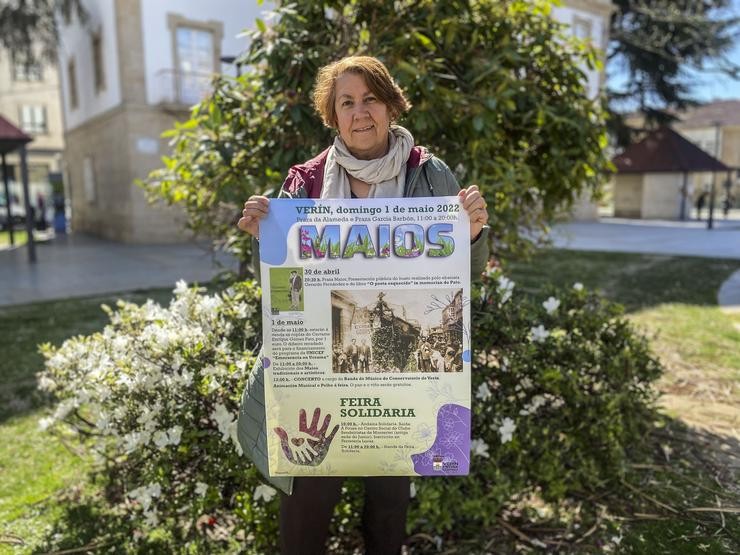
(425, 41)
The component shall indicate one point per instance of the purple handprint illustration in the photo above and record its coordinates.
(308, 446)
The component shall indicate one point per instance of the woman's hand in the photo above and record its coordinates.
(475, 205)
(254, 210)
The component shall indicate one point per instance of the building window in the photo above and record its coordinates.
(72, 81)
(97, 55)
(26, 70)
(582, 28)
(195, 58)
(33, 119)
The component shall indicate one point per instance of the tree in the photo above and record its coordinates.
(496, 89)
(656, 42)
(28, 28)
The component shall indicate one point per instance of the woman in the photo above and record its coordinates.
(370, 157)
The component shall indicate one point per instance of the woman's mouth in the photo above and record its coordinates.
(364, 129)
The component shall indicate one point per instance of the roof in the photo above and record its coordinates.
(664, 150)
(726, 112)
(11, 138)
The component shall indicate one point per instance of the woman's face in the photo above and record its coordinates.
(362, 119)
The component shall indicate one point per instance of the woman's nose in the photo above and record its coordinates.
(360, 112)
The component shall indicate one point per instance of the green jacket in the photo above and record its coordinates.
(426, 176)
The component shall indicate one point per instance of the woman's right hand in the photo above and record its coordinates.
(254, 210)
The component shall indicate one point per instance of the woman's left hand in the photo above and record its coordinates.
(475, 205)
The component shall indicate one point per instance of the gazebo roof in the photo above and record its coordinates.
(665, 150)
(11, 138)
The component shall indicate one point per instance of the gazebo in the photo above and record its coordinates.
(11, 139)
(652, 178)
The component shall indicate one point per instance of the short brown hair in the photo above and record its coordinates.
(378, 80)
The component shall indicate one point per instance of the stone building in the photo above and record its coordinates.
(715, 128)
(589, 21)
(29, 99)
(655, 175)
(127, 74)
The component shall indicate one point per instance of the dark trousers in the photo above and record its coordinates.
(305, 515)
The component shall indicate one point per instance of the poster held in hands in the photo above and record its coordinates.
(366, 323)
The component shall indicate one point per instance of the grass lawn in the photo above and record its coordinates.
(38, 469)
(19, 236)
(44, 490)
(673, 300)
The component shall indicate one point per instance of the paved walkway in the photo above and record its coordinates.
(659, 237)
(651, 237)
(78, 265)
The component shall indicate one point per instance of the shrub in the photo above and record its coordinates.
(561, 392)
(497, 91)
(155, 397)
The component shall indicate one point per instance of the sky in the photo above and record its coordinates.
(712, 86)
(709, 86)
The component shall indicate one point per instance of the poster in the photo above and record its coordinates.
(366, 320)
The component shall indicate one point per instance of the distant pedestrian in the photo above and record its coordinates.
(41, 224)
(700, 202)
(727, 203)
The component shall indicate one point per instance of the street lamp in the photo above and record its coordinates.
(230, 60)
(710, 221)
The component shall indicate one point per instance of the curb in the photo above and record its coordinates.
(728, 296)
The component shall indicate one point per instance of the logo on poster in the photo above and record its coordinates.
(439, 464)
(437, 461)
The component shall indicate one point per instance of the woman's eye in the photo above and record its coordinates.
(347, 103)
(370, 99)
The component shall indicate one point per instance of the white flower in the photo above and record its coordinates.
(131, 441)
(264, 492)
(151, 518)
(45, 423)
(483, 393)
(551, 305)
(64, 408)
(186, 378)
(181, 287)
(223, 419)
(539, 334)
(201, 488)
(174, 434)
(47, 384)
(479, 447)
(507, 429)
(243, 310)
(412, 490)
(154, 489)
(578, 286)
(505, 288)
(160, 439)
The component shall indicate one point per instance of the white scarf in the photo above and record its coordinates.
(386, 175)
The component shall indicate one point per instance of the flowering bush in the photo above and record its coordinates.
(156, 392)
(561, 390)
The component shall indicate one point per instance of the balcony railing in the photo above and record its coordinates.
(181, 88)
